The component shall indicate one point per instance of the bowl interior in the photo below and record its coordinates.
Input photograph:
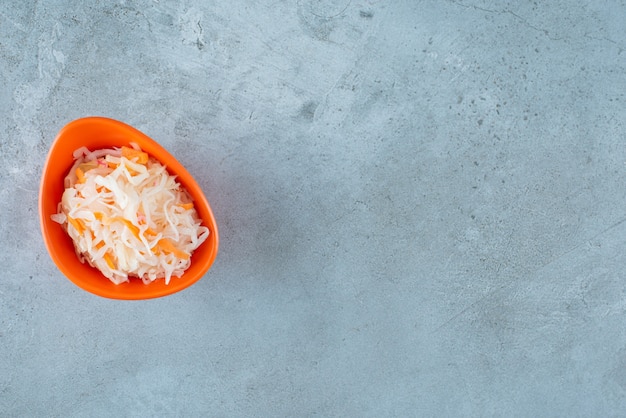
(96, 133)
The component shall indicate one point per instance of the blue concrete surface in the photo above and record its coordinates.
(422, 208)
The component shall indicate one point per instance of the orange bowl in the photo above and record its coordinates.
(97, 133)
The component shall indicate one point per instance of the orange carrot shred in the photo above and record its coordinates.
(167, 246)
(133, 228)
(130, 153)
(83, 168)
(77, 224)
(186, 206)
(109, 260)
(80, 174)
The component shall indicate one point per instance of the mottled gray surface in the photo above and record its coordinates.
(421, 204)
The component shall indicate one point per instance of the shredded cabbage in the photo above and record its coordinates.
(128, 217)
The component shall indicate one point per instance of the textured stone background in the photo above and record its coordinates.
(421, 204)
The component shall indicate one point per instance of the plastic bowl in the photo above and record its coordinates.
(96, 133)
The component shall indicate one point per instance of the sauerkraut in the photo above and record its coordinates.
(128, 217)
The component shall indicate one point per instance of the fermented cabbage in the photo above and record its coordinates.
(128, 217)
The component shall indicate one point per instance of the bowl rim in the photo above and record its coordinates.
(58, 253)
